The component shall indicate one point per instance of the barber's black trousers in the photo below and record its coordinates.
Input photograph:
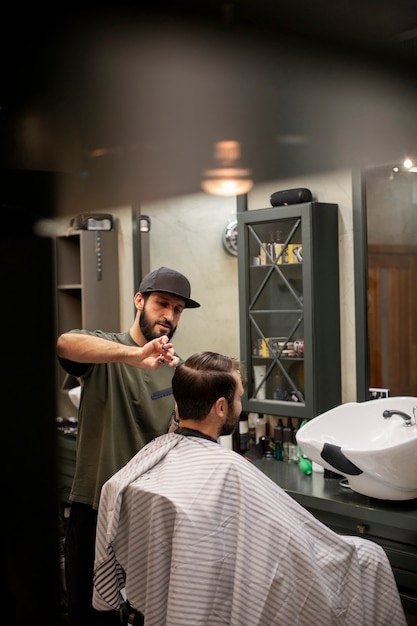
(79, 569)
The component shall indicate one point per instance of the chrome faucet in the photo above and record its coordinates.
(407, 418)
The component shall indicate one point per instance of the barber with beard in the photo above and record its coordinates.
(126, 401)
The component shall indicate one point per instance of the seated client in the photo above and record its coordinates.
(190, 532)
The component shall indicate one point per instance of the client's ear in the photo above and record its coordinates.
(221, 406)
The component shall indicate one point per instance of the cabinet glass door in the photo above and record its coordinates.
(276, 311)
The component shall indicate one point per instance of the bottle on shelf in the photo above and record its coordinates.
(273, 251)
(259, 375)
(280, 392)
(270, 259)
(263, 254)
(280, 251)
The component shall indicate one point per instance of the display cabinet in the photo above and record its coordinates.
(288, 268)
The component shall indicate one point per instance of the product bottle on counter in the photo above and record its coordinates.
(241, 434)
(252, 418)
(267, 447)
(293, 447)
(287, 442)
(278, 440)
(260, 427)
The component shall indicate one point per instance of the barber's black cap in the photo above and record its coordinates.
(169, 281)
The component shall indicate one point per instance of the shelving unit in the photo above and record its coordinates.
(87, 287)
(289, 308)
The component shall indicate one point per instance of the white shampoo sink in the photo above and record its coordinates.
(376, 453)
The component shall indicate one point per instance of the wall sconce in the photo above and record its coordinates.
(144, 224)
(228, 179)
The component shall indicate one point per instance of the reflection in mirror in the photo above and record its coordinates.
(389, 221)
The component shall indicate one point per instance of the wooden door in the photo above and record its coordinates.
(392, 318)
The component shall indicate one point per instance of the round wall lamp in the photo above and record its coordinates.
(230, 238)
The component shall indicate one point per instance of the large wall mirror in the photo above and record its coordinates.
(385, 233)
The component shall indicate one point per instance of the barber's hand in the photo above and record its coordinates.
(156, 353)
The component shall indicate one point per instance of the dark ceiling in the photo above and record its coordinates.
(125, 104)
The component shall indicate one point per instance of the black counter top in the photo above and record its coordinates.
(326, 494)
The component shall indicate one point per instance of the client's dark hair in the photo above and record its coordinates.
(203, 378)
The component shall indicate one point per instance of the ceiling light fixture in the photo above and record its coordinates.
(227, 179)
(409, 165)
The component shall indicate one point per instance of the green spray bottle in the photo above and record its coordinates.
(304, 463)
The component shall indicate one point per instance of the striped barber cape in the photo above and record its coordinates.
(198, 536)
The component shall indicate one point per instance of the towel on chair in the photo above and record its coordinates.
(198, 536)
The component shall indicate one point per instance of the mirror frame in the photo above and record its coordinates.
(360, 252)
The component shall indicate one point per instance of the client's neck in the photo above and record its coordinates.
(203, 426)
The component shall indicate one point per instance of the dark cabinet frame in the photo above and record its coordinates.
(314, 287)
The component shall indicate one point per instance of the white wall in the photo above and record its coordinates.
(186, 234)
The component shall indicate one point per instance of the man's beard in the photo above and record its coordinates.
(148, 329)
(229, 426)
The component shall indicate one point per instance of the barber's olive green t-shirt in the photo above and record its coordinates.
(121, 409)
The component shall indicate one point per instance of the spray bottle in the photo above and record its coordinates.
(304, 463)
